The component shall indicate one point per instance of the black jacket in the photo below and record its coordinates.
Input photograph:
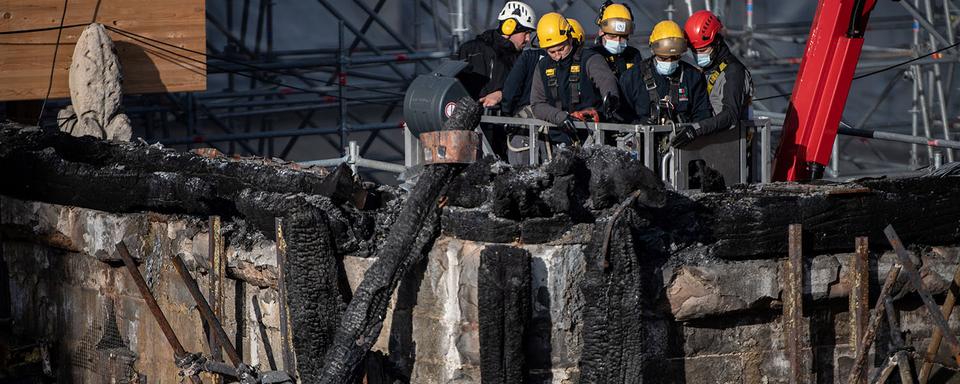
(489, 58)
(690, 100)
(730, 88)
(516, 88)
(622, 62)
(619, 64)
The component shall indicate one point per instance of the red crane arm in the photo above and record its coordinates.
(821, 90)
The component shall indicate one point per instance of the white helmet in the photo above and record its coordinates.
(520, 12)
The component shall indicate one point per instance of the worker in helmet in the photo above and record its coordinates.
(729, 84)
(516, 89)
(616, 25)
(663, 88)
(516, 101)
(489, 58)
(571, 82)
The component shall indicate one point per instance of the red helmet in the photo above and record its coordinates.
(702, 28)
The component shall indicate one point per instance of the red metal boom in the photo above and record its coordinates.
(821, 89)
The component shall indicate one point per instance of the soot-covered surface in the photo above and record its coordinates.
(571, 199)
(503, 289)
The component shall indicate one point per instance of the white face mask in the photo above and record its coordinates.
(703, 59)
(666, 68)
(614, 47)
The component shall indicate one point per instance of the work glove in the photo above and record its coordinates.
(588, 114)
(611, 103)
(685, 134)
(568, 127)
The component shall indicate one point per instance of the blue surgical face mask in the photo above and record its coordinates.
(614, 47)
(703, 59)
(666, 68)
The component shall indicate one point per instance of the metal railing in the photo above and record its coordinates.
(644, 135)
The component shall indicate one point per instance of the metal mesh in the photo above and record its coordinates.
(102, 351)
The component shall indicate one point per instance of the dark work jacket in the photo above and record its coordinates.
(690, 99)
(620, 64)
(730, 88)
(566, 82)
(489, 58)
(516, 88)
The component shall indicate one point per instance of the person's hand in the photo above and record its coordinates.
(685, 134)
(610, 104)
(588, 114)
(569, 128)
(491, 99)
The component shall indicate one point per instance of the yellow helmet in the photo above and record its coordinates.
(667, 39)
(616, 19)
(577, 29)
(553, 29)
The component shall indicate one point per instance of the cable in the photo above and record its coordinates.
(884, 69)
(250, 76)
(236, 62)
(53, 66)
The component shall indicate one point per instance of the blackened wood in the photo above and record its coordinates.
(503, 287)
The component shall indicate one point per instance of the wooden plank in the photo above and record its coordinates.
(286, 342)
(913, 274)
(859, 364)
(947, 309)
(217, 276)
(25, 62)
(859, 295)
(793, 303)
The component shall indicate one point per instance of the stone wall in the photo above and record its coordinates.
(67, 287)
(715, 325)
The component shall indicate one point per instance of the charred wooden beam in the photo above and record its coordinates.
(407, 242)
(503, 290)
(315, 291)
(742, 223)
(613, 329)
(128, 177)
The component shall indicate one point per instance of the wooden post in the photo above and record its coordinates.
(793, 303)
(286, 342)
(859, 295)
(218, 272)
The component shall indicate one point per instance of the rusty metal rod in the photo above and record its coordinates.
(205, 312)
(859, 296)
(857, 370)
(178, 351)
(934, 346)
(793, 302)
(914, 276)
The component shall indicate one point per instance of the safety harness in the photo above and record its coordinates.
(715, 75)
(579, 90)
(662, 108)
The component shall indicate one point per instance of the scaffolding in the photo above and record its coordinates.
(357, 86)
